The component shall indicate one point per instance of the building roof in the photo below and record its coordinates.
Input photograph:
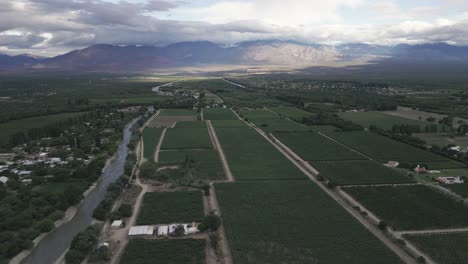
(117, 223)
(140, 230)
(3, 179)
(163, 230)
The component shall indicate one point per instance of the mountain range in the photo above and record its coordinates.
(111, 58)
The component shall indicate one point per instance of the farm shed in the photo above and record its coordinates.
(141, 230)
(3, 179)
(117, 224)
(449, 180)
(163, 231)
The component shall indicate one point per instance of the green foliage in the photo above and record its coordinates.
(228, 123)
(148, 170)
(211, 223)
(293, 222)
(258, 114)
(177, 112)
(291, 112)
(82, 244)
(203, 164)
(382, 120)
(170, 207)
(150, 140)
(194, 138)
(219, 114)
(447, 248)
(280, 125)
(102, 211)
(125, 210)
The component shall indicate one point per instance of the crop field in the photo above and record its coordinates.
(359, 172)
(228, 123)
(150, 141)
(170, 121)
(204, 164)
(411, 207)
(442, 140)
(461, 189)
(10, 128)
(174, 251)
(294, 222)
(180, 138)
(448, 164)
(258, 114)
(323, 129)
(219, 114)
(178, 112)
(171, 207)
(384, 149)
(144, 100)
(291, 112)
(190, 124)
(380, 120)
(280, 125)
(314, 147)
(445, 248)
(251, 157)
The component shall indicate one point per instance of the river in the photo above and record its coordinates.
(58, 241)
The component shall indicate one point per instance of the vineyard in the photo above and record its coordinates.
(258, 114)
(180, 138)
(219, 114)
(150, 140)
(228, 123)
(279, 124)
(190, 124)
(178, 112)
(277, 222)
(291, 112)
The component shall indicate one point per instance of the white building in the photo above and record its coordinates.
(450, 180)
(3, 179)
(117, 224)
(140, 230)
(163, 230)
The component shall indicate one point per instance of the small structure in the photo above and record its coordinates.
(188, 228)
(456, 148)
(141, 231)
(117, 224)
(420, 169)
(103, 244)
(163, 231)
(450, 180)
(3, 179)
(392, 164)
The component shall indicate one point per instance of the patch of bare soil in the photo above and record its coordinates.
(169, 121)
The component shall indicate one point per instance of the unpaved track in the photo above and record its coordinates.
(227, 169)
(307, 169)
(433, 231)
(353, 150)
(158, 147)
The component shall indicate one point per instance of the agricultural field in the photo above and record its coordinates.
(228, 123)
(10, 128)
(442, 140)
(445, 248)
(411, 207)
(219, 114)
(190, 124)
(204, 164)
(178, 112)
(280, 125)
(429, 177)
(296, 223)
(251, 157)
(380, 120)
(258, 114)
(323, 129)
(171, 207)
(315, 147)
(461, 189)
(384, 149)
(180, 138)
(359, 172)
(150, 140)
(173, 251)
(144, 100)
(291, 112)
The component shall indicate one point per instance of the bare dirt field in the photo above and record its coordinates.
(169, 121)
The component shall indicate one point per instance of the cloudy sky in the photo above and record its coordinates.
(50, 27)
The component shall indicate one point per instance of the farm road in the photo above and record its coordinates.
(227, 169)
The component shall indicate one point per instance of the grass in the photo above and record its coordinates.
(175, 251)
(178, 112)
(446, 248)
(219, 114)
(359, 172)
(258, 114)
(150, 139)
(171, 207)
(314, 147)
(180, 138)
(205, 164)
(293, 222)
(280, 125)
(380, 120)
(10, 128)
(190, 124)
(228, 123)
(411, 207)
(384, 149)
(291, 112)
(251, 157)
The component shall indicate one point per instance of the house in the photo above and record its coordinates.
(163, 230)
(4, 157)
(141, 230)
(392, 164)
(3, 179)
(456, 148)
(117, 224)
(449, 180)
(420, 169)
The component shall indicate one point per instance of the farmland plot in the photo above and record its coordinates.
(178, 112)
(204, 164)
(258, 114)
(314, 147)
(180, 138)
(190, 124)
(291, 112)
(380, 120)
(251, 157)
(228, 123)
(219, 114)
(359, 172)
(384, 149)
(445, 248)
(294, 222)
(412, 207)
(171, 207)
(150, 139)
(280, 125)
(175, 251)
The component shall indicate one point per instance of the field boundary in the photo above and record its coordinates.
(218, 147)
(158, 147)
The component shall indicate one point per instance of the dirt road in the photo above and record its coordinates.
(227, 169)
(158, 147)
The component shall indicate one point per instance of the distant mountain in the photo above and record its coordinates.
(110, 58)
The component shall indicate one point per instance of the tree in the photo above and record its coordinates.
(211, 222)
(148, 170)
(73, 195)
(125, 210)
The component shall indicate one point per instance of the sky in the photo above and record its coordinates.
(52, 27)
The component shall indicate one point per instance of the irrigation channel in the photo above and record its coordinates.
(54, 244)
